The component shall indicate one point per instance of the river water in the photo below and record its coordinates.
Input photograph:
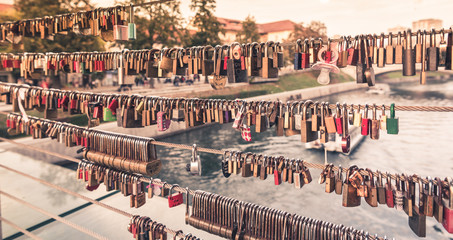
(423, 147)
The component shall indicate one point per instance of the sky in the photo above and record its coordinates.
(342, 17)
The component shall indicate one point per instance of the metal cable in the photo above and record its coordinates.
(56, 217)
(24, 231)
(239, 102)
(106, 206)
(221, 152)
(96, 9)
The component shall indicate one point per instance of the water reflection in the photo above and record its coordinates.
(422, 147)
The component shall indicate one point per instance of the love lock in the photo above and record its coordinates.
(195, 164)
(327, 64)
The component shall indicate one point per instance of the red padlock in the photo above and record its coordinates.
(225, 64)
(113, 106)
(162, 122)
(366, 122)
(16, 64)
(277, 175)
(339, 120)
(174, 199)
(353, 54)
(97, 112)
(389, 192)
(8, 123)
(448, 208)
(305, 56)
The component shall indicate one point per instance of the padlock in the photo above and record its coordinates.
(342, 53)
(195, 162)
(174, 199)
(374, 126)
(392, 122)
(306, 132)
(305, 173)
(399, 50)
(381, 53)
(330, 179)
(424, 59)
(277, 55)
(353, 52)
(389, 189)
(207, 67)
(305, 55)
(433, 53)
(449, 54)
(297, 55)
(398, 195)
(383, 120)
(268, 70)
(131, 26)
(417, 222)
(357, 117)
(166, 62)
(277, 174)
(409, 189)
(315, 117)
(381, 193)
(297, 176)
(329, 120)
(366, 122)
(346, 138)
(247, 166)
(323, 134)
(438, 207)
(372, 198)
(429, 198)
(339, 181)
(442, 49)
(350, 197)
(418, 47)
(339, 120)
(408, 56)
(313, 52)
(447, 222)
(390, 50)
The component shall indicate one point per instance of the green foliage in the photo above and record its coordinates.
(207, 24)
(158, 24)
(315, 29)
(249, 32)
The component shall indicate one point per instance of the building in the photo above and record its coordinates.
(6, 7)
(397, 29)
(427, 24)
(273, 31)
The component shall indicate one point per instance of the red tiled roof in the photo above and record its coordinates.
(279, 26)
(6, 7)
(230, 24)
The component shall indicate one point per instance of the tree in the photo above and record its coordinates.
(158, 24)
(207, 24)
(315, 29)
(69, 43)
(249, 32)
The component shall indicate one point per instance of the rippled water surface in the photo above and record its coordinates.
(423, 146)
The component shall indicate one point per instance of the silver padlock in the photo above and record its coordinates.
(195, 163)
(298, 117)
